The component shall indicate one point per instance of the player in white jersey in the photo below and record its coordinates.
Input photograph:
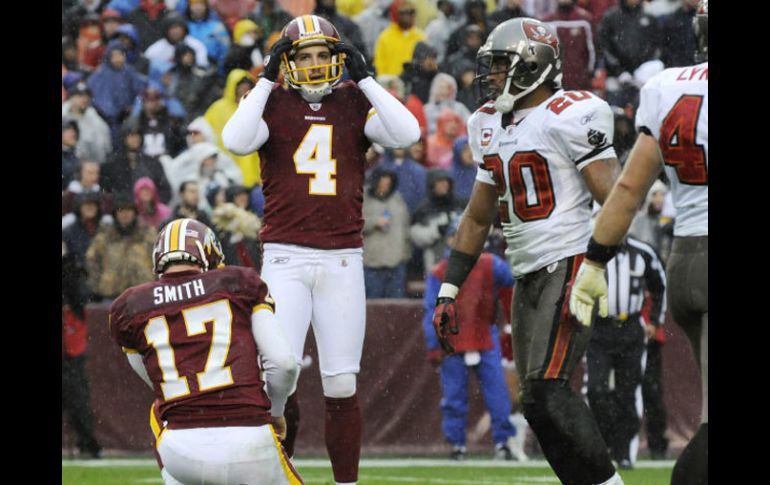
(544, 154)
(672, 121)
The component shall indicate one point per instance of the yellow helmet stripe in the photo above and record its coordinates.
(173, 243)
(306, 25)
(183, 233)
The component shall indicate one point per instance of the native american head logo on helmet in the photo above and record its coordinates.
(187, 241)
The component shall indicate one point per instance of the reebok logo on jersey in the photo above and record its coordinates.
(597, 138)
(588, 118)
(279, 260)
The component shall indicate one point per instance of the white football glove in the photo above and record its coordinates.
(589, 285)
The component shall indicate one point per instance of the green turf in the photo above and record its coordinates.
(467, 474)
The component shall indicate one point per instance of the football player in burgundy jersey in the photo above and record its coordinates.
(672, 121)
(312, 135)
(543, 155)
(196, 337)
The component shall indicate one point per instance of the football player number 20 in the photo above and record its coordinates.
(530, 183)
(216, 373)
(677, 141)
(314, 157)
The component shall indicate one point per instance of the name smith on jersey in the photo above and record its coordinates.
(185, 291)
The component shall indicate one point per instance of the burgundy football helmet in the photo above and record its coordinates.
(188, 241)
(304, 31)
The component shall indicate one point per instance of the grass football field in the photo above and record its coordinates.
(385, 471)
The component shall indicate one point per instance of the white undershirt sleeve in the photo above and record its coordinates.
(277, 358)
(246, 131)
(136, 363)
(391, 124)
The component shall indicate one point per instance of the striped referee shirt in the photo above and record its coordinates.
(636, 268)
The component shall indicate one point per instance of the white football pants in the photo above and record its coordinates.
(235, 455)
(324, 287)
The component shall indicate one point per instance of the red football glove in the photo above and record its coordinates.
(445, 322)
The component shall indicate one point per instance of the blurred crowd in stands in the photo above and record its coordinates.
(148, 85)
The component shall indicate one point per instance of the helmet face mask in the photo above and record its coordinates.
(187, 241)
(307, 31)
(534, 56)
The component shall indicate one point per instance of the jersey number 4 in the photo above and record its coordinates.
(314, 157)
(677, 141)
(530, 182)
(216, 373)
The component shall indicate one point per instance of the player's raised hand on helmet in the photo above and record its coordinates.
(273, 60)
(354, 60)
(588, 286)
(445, 322)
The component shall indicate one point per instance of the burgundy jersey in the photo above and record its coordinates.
(193, 331)
(313, 168)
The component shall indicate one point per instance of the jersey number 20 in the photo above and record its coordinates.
(216, 373)
(530, 182)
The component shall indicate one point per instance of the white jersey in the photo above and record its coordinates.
(673, 106)
(535, 163)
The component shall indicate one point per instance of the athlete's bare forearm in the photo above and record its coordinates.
(639, 173)
(478, 216)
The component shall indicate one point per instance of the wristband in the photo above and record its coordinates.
(458, 267)
(599, 252)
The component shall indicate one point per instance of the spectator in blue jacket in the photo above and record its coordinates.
(411, 176)
(204, 25)
(114, 86)
(127, 34)
(463, 168)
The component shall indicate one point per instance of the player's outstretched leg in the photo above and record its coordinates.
(568, 433)
(692, 467)
(342, 426)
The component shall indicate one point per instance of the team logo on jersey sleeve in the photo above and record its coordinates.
(597, 138)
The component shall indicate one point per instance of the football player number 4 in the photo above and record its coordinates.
(677, 141)
(216, 373)
(314, 157)
(530, 183)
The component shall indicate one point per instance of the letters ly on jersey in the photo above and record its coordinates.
(313, 168)
(193, 331)
(674, 106)
(535, 164)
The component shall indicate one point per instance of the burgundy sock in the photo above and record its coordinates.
(291, 413)
(343, 436)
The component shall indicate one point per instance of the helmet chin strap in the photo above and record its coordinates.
(505, 102)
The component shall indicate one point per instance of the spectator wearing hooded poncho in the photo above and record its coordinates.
(434, 215)
(193, 87)
(129, 164)
(95, 142)
(410, 175)
(238, 84)
(114, 86)
(449, 126)
(418, 75)
(395, 45)
(204, 25)
(151, 211)
(439, 29)
(443, 94)
(387, 246)
(245, 52)
(175, 32)
(127, 34)
(463, 168)
(148, 20)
